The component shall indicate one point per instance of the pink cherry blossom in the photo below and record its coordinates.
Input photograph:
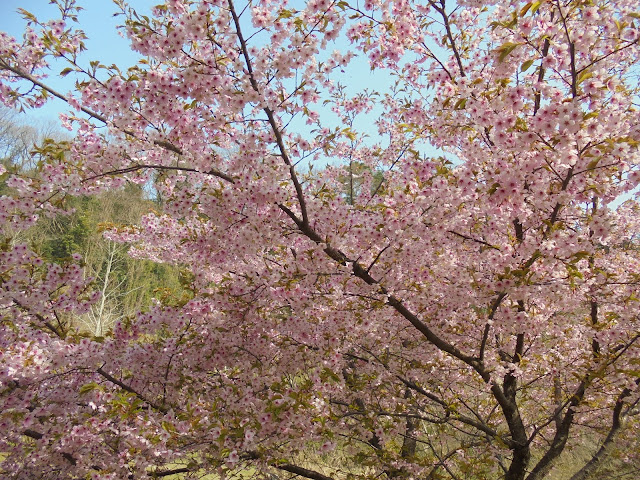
(434, 279)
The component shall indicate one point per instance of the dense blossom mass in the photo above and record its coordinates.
(359, 307)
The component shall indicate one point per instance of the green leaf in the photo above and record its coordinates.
(583, 76)
(168, 427)
(505, 50)
(593, 164)
(460, 104)
(525, 66)
(27, 15)
(525, 9)
(350, 134)
(535, 7)
(521, 124)
(573, 272)
(89, 387)
(581, 255)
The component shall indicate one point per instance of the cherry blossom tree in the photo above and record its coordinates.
(467, 314)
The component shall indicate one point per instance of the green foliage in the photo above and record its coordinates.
(356, 175)
(65, 236)
(127, 285)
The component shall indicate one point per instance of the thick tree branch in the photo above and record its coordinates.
(545, 52)
(445, 18)
(135, 168)
(572, 52)
(508, 406)
(27, 76)
(127, 388)
(563, 426)
(271, 116)
(161, 143)
(487, 328)
(72, 460)
(616, 425)
(57, 331)
(561, 436)
(166, 473)
(477, 240)
(303, 472)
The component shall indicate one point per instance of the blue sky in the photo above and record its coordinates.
(105, 43)
(99, 24)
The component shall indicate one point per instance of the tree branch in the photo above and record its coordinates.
(303, 472)
(127, 388)
(616, 425)
(135, 168)
(441, 10)
(27, 76)
(272, 119)
(60, 334)
(477, 240)
(166, 473)
(485, 335)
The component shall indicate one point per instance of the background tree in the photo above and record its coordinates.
(126, 285)
(475, 317)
